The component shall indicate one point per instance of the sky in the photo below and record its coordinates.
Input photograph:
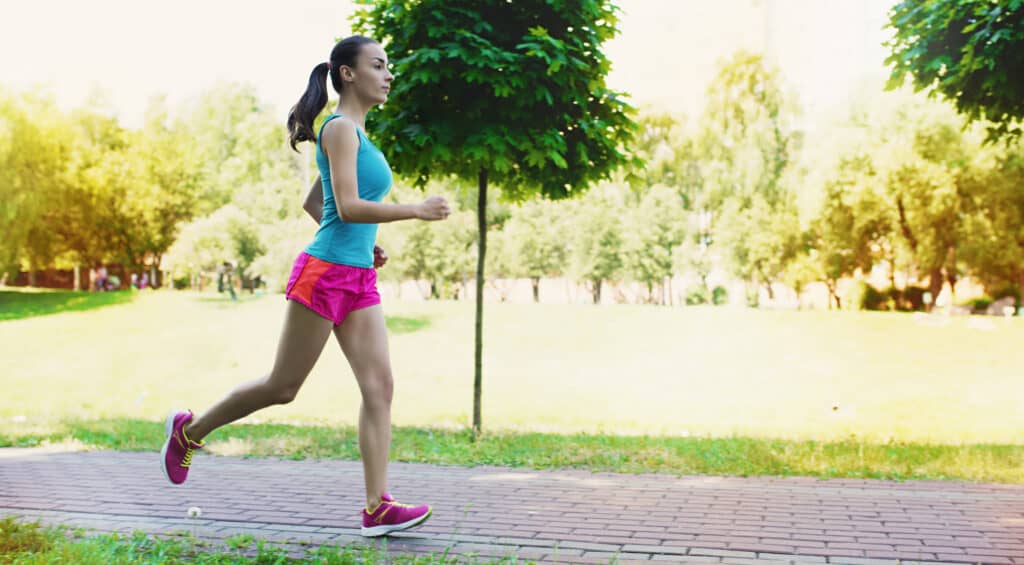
(664, 56)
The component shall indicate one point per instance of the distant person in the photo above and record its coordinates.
(333, 284)
(227, 280)
(101, 278)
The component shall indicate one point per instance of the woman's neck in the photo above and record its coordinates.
(352, 109)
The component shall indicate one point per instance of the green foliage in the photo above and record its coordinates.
(250, 190)
(597, 243)
(852, 221)
(993, 223)
(442, 253)
(697, 296)
(748, 134)
(538, 239)
(863, 296)
(89, 190)
(719, 296)
(229, 234)
(656, 227)
(558, 128)
(968, 51)
(761, 240)
(670, 157)
(902, 183)
(748, 139)
(867, 297)
(32, 149)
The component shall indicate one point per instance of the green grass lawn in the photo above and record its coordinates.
(23, 303)
(557, 368)
(623, 454)
(28, 542)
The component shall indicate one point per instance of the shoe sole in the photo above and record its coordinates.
(168, 429)
(377, 531)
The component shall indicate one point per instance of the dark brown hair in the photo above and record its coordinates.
(313, 100)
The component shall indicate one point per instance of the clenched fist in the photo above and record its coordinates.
(433, 208)
(379, 257)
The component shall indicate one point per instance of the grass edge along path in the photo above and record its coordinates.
(30, 542)
(733, 456)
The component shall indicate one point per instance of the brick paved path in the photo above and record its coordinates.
(549, 516)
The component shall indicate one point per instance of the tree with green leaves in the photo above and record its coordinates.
(748, 139)
(33, 154)
(506, 92)
(922, 154)
(670, 156)
(969, 51)
(657, 227)
(993, 244)
(537, 243)
(597, 245)
(840, 241)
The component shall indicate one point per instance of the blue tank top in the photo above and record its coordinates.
(341, 242)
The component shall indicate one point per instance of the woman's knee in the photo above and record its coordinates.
(277, 393)
(379, 390)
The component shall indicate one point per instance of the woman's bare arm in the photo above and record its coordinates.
(341, 144)
(314, 203)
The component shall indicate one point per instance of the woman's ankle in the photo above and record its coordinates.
(192, 434)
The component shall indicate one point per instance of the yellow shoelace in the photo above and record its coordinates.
(189, 450)
(187, 460)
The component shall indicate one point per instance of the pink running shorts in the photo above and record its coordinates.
(331, 290)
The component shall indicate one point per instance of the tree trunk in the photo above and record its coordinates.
(535, 281)
(154, 281)
(905, 225)
(597, 291)
(481, 213)
(935, 280)
(767, 284)
(951, 272)
(1020, 287)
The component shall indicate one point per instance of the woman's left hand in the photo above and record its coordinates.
(379, 257)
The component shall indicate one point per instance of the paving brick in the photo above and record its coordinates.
(567, 516)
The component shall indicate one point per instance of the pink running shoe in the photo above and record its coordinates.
(392, 516)
(176, 456)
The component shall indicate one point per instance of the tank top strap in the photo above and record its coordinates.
(320, 133)
(359, 133)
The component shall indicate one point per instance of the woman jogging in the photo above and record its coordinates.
(333, 283)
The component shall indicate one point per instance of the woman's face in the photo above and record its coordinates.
(370, 77)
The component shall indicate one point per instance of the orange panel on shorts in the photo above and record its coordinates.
(311, 273)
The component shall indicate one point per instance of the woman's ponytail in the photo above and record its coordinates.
(302, 114)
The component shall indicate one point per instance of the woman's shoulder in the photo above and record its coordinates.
(339, 125)
(340, 130)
